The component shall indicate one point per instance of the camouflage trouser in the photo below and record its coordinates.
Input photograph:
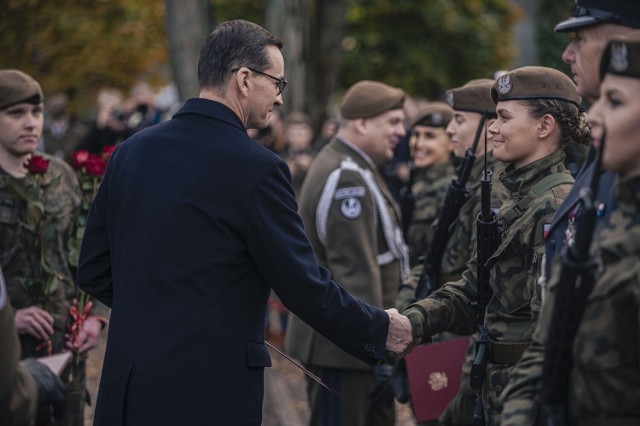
(495, 381)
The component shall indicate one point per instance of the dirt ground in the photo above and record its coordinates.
(285, 401)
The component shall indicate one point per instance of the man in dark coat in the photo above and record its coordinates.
(192, 227)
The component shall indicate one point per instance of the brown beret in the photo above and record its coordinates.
(369, 98)
(434, 114)
(17, 87)
(535, 83)
(621, 56)
(474, 96)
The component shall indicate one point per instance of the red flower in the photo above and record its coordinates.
(107, 151)
(95, 165)
(37, 165)
(79, 158)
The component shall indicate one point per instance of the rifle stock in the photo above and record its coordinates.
(575, 283)
(457, 195)
(488, 242)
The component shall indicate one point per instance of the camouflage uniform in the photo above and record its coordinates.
(19, 260)
(460, 248)
(604, 382)
(511, 313)
(428, 191)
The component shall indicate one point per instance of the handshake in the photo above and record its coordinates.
(401, 338)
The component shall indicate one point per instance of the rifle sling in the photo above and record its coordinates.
(542, 186)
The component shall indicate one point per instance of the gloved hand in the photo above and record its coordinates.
(381, 391)
(51, 390)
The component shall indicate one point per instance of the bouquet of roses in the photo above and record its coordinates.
(89, 169)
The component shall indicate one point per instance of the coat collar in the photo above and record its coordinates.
(211, 109)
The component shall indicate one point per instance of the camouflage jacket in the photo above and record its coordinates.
(18, 257)
(605, 379)
(429, 189)
(512, 311)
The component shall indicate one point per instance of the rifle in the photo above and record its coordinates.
(457, 195)
(575, 284)
(487, 243)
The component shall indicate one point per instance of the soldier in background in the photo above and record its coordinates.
(431, 172)
(62, 133)
(538, 113)
(604, 380)
(33, 247)
(353, 223)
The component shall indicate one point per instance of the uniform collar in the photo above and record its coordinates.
(211, 109)
(519, 181)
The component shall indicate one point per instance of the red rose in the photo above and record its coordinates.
(95, 165)
(107, 151)
(37, 165)
(79, 158)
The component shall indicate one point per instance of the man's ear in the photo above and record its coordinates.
(360, 125)
(546, 126)
(242, 81)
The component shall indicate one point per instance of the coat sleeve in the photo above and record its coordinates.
(282, 253)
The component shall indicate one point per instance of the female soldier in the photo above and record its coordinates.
(538, 112)
(430, 149)
(603, 385)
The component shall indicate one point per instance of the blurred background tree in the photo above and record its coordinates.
(423, 47)
(551, 44)
(79, 47)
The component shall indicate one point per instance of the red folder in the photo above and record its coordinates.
(434, 376)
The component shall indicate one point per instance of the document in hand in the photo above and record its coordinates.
(434, 372)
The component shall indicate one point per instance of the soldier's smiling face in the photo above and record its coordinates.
(429, 145)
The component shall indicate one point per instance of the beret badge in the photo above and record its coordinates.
(619, 61)
(504, 84)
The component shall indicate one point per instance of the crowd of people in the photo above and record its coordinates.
(505, 212)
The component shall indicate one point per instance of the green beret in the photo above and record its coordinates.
(474, 96)
(621, 56)
(535, 83)
(434, 114)
(17, 87)
(369, 98)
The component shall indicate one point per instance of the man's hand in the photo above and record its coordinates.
(51, 390)
(87, 336)
(35, 322)
(400, 338)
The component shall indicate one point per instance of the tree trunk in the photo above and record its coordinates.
(289, 21)
(324, 57)
(187, 24)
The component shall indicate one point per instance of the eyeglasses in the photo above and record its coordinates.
(281, 83)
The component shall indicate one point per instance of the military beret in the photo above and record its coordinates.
(17, 87)
(621, 56)
(474, 96)
(592, 12)
(369, 98)
(534, 83)
(434, 114)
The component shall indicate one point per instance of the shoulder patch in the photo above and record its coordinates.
(351, 208)
(355, 191)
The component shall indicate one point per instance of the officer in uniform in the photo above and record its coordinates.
(354, 225)
(603, 385)
(34, 257)
(537, 181)
(594, 23)
(431, 172)
(23, 385)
